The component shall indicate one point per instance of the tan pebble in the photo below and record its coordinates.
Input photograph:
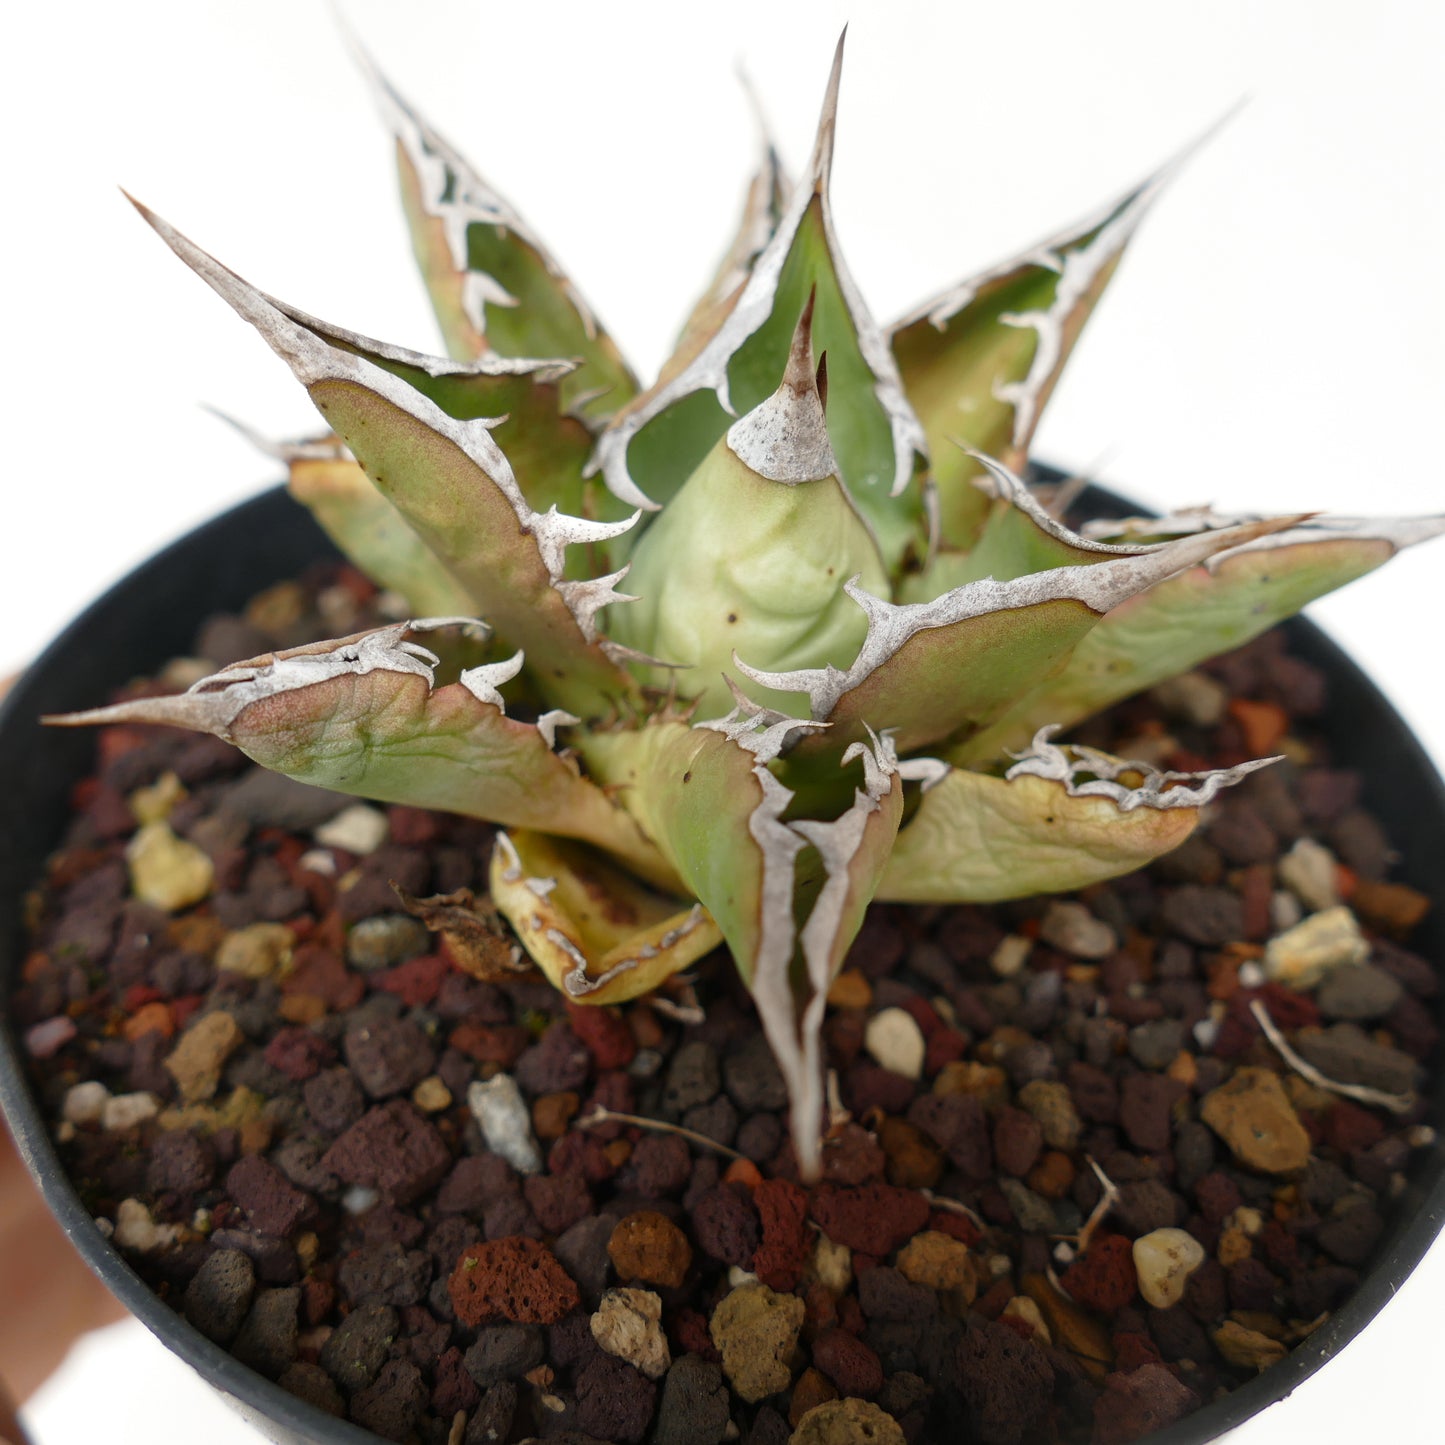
(1052, 1107)
(278, 608)
(756, 1332)
(964, 1076)
(1011, 954)
(895, 1041)
(1307, 1096)
(167, 871)
(1021, 1307)
(1253, 1115)
(1194, 696)
(256, 951)
(938, 1261)
(1234, 1246)
(308, 1247)
(1324, 941)
(1072, 929)
(1247, 1349)
(1183, 1069)
(431, 1096)
(848, 1421)
(1164, 1259)
(628, 1324)
(198, 1058)
(153, 804)
(1310, 871)
(830, 1265)
(1246, 1219)
(1053, 1176)
(850, 990)
(1395, 907)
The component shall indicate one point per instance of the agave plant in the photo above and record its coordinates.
(848, 631)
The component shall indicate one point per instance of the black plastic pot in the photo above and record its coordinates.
(151, 616)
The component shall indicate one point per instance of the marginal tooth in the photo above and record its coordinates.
(587, 598)
(549, 722)
(1160, 790)
(482, 682)
(555, 531)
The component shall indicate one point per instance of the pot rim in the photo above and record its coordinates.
(280, 539)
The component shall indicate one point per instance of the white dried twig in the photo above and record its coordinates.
(1362, 1093)
(601, 1115)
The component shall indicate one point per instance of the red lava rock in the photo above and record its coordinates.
(417, 981)
(958, 1125)
(299, 1053)
(513, 1279)
(1017, 1141)
(944, 1046)
(873, 1218)
(1140, 1402)
(851, 1155)
(558, 1200)
(1007, 1382)
(782, 1210)
(693, 1335)
(453, 1388)
(1145, 1102)
(614, 1401)
(604, 1034)
(848, 1363)
(725, 1225)
(1103, 1278)
(321, 973)
(578, 1152)
(391, 1148)
(1348, 1127)
(960, 1226)
(275, 1205)
(1217, 1196)
(1133, 1348)
(501, 1044)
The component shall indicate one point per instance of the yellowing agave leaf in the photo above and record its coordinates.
(595, 931)
(981, 839)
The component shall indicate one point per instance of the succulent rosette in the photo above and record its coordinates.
(731, 657)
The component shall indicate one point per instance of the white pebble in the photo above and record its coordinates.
(84, 1103)
(135, 1229)
(124, 1111)
(501, 1113)
(1284, 910)
(1164, 1259)
(1251, 975)
(896, 1043)
(357, 829)
(359, 1198)
(321, 861)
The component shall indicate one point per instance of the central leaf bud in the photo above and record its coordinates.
(752, 553)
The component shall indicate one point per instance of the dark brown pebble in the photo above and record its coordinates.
(1006, 1381)
(358, 1346)
(392, 1149)
(393, 1403)
(504, 1352)
(218, 1298)
(695, 1408)
(614, 1401)
(267, 1341)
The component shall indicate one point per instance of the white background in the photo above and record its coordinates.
(1273, 339)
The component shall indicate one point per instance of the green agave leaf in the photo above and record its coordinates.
(788, 893)
(980, 361)
(323, 476)
(599, 935)
(981, 839)
(654, 444)
(493, 285)
(753, 551)
(944, 670)
(1203, 611)
(361, 715)
(450, 480)
(1017, 536)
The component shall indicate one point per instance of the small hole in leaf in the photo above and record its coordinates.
(732, 617)
(687, 776)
